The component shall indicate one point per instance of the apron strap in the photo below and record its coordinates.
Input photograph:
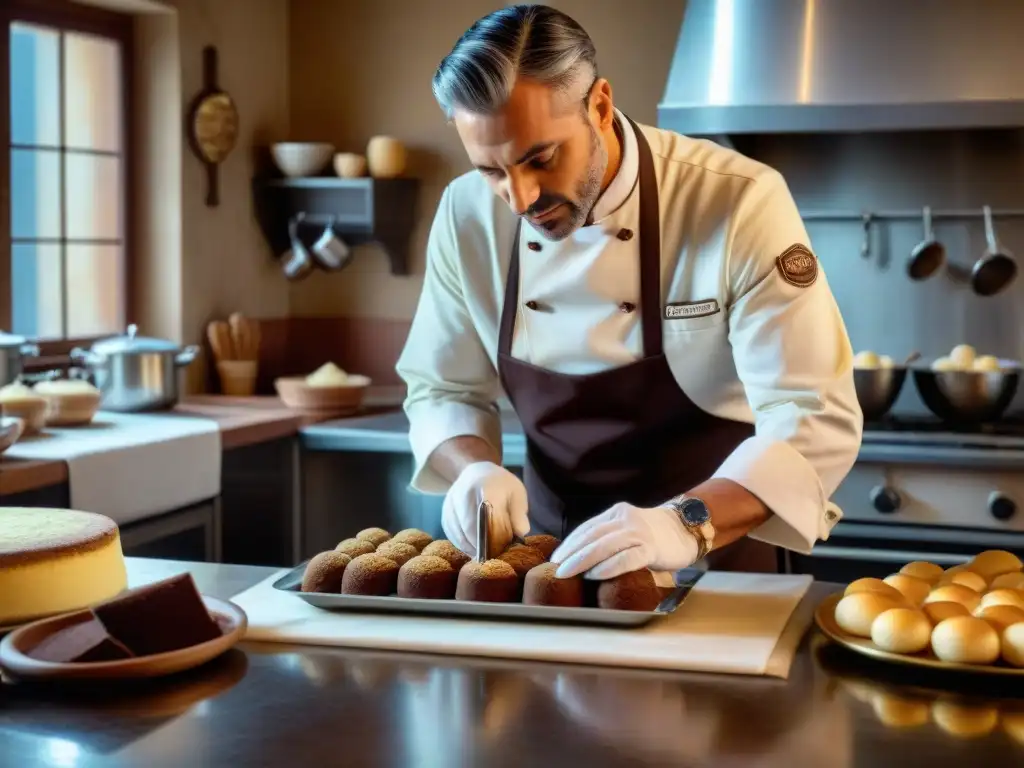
(650, 262)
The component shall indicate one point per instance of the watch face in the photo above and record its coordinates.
(695, 512)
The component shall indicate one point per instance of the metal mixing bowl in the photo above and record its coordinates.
(968, 396)
(877, 389)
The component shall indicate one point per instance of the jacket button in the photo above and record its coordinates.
(533, 246)
(626, 307)
(531, 304)
(625, 234)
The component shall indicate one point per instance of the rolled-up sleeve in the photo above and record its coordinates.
(793, 357)
(452, 386)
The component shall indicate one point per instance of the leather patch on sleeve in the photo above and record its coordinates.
(798, 266)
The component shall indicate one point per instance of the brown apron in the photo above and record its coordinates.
(625, 434)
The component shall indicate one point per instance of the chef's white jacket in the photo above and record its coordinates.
(742, 341)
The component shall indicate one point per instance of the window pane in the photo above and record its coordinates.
(35, 193)
(35, 288)
(35, 86)
(95, 290)
(93, 197)
(92, 92)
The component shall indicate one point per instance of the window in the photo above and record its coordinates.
(64, 268)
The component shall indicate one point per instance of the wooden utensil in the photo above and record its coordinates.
(219, 334)
(239, 336)
(213, 124)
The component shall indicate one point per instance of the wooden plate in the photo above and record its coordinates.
(296, 393)
(824, 617)
(15, 661)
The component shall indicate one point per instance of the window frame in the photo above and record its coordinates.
(66, 16)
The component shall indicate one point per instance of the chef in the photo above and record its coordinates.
(650, 305)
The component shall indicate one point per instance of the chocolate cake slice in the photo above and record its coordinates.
(84, 642)
(165, 616)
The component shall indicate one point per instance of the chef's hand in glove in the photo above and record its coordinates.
(506, 494)
(626, 538)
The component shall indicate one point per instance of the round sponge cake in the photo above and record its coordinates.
(493, 581)
(56, 560)
(542, 587)
(545, 543)
(396, 550)
(324, 572)
(445, 549)
(370, 574)
(632, 591)
(428, 577)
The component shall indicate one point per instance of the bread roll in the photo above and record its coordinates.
(855, 613)
(968, 579)
(1000, 616)
(915, 590)
(1012, 642)
(965, 640)
(940, 611)
(995, 562)
(919, 569)
(955, 593)
(1008, 581)
(901, 630)
(871, 584)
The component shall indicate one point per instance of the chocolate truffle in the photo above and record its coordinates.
(545, 543)
(522, 558)
(445, 549)
(493, 581)
(632, 591)
(542, 587)
(164, 616)
(324, 572)
(355, 547)
(414, 536)
(398, 551)
(84, 642)
(370, 574)
(375, 536)
(427, 576)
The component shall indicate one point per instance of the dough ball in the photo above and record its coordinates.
(897, 712)
(987, 364)
(965, 722)
(941, 611)
(866, 360)
(994, 562)
(871, 584)
(965, 640)
(955, 593)
(884, 361)
(913, 589)
(963, 356)
(919, 569)
(1008, 581)
(1000, 616)
(969, 579)
(855, 613)
(1002, 597)
(943, 364)
(1013, 645)
(901, 630)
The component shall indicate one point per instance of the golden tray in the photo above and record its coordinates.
(824, 617)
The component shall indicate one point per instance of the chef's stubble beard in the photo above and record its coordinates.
(588, 189)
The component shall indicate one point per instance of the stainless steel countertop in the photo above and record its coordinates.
(389, 433)
(277, 705)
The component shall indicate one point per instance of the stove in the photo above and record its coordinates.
(928, 430)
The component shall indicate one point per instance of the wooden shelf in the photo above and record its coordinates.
(363, 210)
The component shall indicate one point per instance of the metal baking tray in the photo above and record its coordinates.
(685, 580)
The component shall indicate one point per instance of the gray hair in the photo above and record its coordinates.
(530, 41)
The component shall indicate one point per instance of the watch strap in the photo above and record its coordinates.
(703, 533)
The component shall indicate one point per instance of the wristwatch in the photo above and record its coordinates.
(696, 518)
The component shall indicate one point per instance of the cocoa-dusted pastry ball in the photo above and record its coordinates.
(427, 576)
(445, 549)
(522, 558)
(633, 591)
(545, 543)
(542, 587)
(398, 551)
(493, 581)
(355, 547)
(370, 574)
(324, 572)
(375, 536)
(414, 536)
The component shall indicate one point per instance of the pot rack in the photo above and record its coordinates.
(911, 214)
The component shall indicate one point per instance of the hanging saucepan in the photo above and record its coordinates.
(996, 268)
(928, 256)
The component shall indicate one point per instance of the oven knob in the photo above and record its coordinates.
(1000, 506)
(885, 500)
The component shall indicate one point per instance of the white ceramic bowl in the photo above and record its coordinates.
(296, 159)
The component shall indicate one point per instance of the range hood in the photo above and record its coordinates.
(781, 66)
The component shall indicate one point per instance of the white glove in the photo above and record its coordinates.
(506, 494)
(626, 538)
